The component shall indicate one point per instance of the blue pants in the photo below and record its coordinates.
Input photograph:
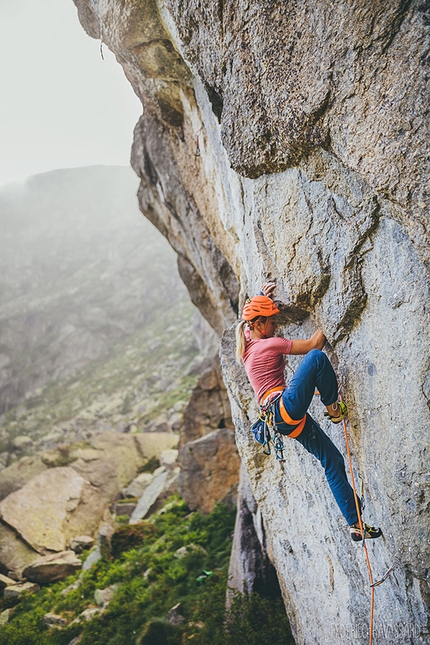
(316, 371)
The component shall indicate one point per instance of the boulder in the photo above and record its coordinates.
(72, 587)
(4, 616)
(19, 473)
(5, 581)
(52, 508)
(168, 458)
(209, 469)
(54, 620)
(138, 485)
(22, 442)
(15, 591)
(124, 508)
(151, 444)
(59, 456)
(53, 567)
(81, 542)
(160, 424)
(110, 463)
(103, 597)
(162, 486)
(104, 539)
(175, 615)
(93, 557)
(15, 554)
(89, 614)
(4, 458)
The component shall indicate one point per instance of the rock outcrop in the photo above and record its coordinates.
(251, 570)
(109, 464)
(287, 141)
(208, 408)
(210, 468)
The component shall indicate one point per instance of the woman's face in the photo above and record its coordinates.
(271, 326)
(268, 328)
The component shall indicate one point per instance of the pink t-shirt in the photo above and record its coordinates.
(264, 362)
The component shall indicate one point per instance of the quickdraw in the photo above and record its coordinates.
(265, 430)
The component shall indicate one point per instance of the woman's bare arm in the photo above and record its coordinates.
(316, 341)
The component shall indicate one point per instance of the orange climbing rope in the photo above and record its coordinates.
(360, 522)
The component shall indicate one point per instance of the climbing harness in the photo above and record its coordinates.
(266, 432)
(265, 429)
(372, 584)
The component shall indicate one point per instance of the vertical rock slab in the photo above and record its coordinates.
(250, 569)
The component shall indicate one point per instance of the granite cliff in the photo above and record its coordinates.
(287, 141)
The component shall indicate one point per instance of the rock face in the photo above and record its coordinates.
(287, 141)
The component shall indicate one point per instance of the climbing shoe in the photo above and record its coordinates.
(343, 413)
(370, 532)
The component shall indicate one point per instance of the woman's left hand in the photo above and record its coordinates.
(268, 288)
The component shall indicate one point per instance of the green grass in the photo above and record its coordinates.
(151, 580)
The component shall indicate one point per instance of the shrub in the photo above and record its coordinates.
(130, 536)
(158, 632)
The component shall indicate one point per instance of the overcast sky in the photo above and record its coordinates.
(61, 105)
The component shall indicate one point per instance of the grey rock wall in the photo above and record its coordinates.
(287, 141)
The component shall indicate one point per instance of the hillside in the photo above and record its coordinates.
(80, 269)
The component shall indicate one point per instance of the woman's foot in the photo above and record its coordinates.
(337, 411)
(370, 532)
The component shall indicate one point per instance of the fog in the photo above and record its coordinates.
(61, 105)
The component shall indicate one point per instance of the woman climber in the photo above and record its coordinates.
(262, 354)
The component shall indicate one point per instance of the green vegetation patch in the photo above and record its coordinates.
(179, 559)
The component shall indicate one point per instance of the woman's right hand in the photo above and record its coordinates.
(318, 339)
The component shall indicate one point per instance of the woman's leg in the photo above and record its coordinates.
(318, 444)
(314, 371)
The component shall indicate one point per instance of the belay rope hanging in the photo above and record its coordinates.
(266, 432)
(372, 583)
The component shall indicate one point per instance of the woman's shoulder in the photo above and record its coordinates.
(279, 344)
